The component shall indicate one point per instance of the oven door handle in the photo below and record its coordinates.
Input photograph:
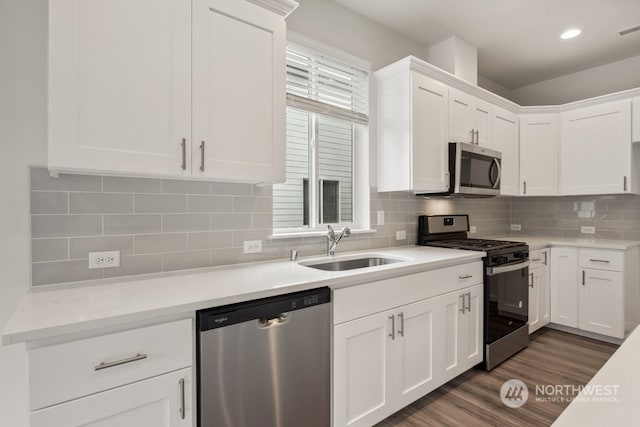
(492, 271)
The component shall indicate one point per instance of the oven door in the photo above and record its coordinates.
(477, 170)
(507, 299)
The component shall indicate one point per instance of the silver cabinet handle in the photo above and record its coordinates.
(524, 187)
(401, 317)
(105, 365)
(606, 261)
(393, 327)
(202, 156)
(477, 137)
(462, 310)
(183, 144)
(583, 277)
(469, 293)
(471, 133)
(465, 276)
(624, 184)
(531, 277)
(545, 257)
(182, 406)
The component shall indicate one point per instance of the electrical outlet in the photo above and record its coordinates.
(380, 217)
(516, 227)
(109, 259)
(472, 229)
(587, 229)
(401, 235)
(252, 246)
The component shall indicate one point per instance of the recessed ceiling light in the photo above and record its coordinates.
(569, 34)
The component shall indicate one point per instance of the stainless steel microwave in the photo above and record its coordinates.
(473, 170)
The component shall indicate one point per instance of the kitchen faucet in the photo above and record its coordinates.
(333, 239)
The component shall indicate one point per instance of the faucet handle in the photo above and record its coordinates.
(346, 231)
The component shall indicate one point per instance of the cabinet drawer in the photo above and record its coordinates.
(602, 259)
(62, 372)
(363, 300)
(538, 258)
(460, 276)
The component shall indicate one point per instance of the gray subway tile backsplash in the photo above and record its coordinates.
(165, 225)
(65, 225)
(48, 202)
(100, 203)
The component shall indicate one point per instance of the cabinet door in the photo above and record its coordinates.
(596, 150)
(539, 155)
(119, 95)
(238, 91)
(601, 302)
(452, 330)
(362, 366)
(482, 119)
(474, 319)
(461, 116)
(505, 139)
(163, 401)
(416, 350)
(541, 280)
(564, 286)
(429, 118)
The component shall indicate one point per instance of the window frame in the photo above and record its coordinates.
(360, 197)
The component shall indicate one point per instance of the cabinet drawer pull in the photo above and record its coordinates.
(393, 327)
(465, 276)
(524, 187)
(401, 331)
(477, 137)
(471, 133)
(536, 259)
(531, 277)
(469, 302)
(462, 310)
(182, 399)
(105, 365)
(624, 184)
(606, 261)
(202, 156)
(545, 257)
(183, 145)
(583, 277)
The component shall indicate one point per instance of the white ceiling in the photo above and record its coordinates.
(518, 40)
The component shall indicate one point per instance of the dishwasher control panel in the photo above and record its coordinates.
(265, 308)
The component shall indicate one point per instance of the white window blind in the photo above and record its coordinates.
(327, 86)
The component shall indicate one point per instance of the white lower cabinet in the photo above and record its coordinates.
(460, 331)
(389, 339)
(131, 378)
(383, 362)
(160, 402)
(539, 296)
(595, 290)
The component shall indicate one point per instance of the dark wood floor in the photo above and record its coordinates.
(473, 399)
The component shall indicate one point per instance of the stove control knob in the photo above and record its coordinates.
(521, 255)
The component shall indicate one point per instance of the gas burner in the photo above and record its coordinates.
(473, 244)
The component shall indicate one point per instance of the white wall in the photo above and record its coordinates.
(608, 78)
(22, 142)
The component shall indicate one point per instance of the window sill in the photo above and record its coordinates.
(293, 235)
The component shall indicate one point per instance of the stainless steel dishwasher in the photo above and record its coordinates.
(266, 362)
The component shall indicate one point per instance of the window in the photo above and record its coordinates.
(327, 105)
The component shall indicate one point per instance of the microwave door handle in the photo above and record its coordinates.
(497, 163)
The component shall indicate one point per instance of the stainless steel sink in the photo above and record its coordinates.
(352, 264)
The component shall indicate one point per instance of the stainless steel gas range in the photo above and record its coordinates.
(506, 294)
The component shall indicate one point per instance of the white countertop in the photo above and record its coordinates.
(621, 378)
(541, 242)
(79, 308)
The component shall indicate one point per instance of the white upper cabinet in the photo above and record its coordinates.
(635, 125)
(168, 88)
(413, 114)
(238, 91)
(119, 85)
(505, 139)
(470, 119)
(596, 154)
(539, 154)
